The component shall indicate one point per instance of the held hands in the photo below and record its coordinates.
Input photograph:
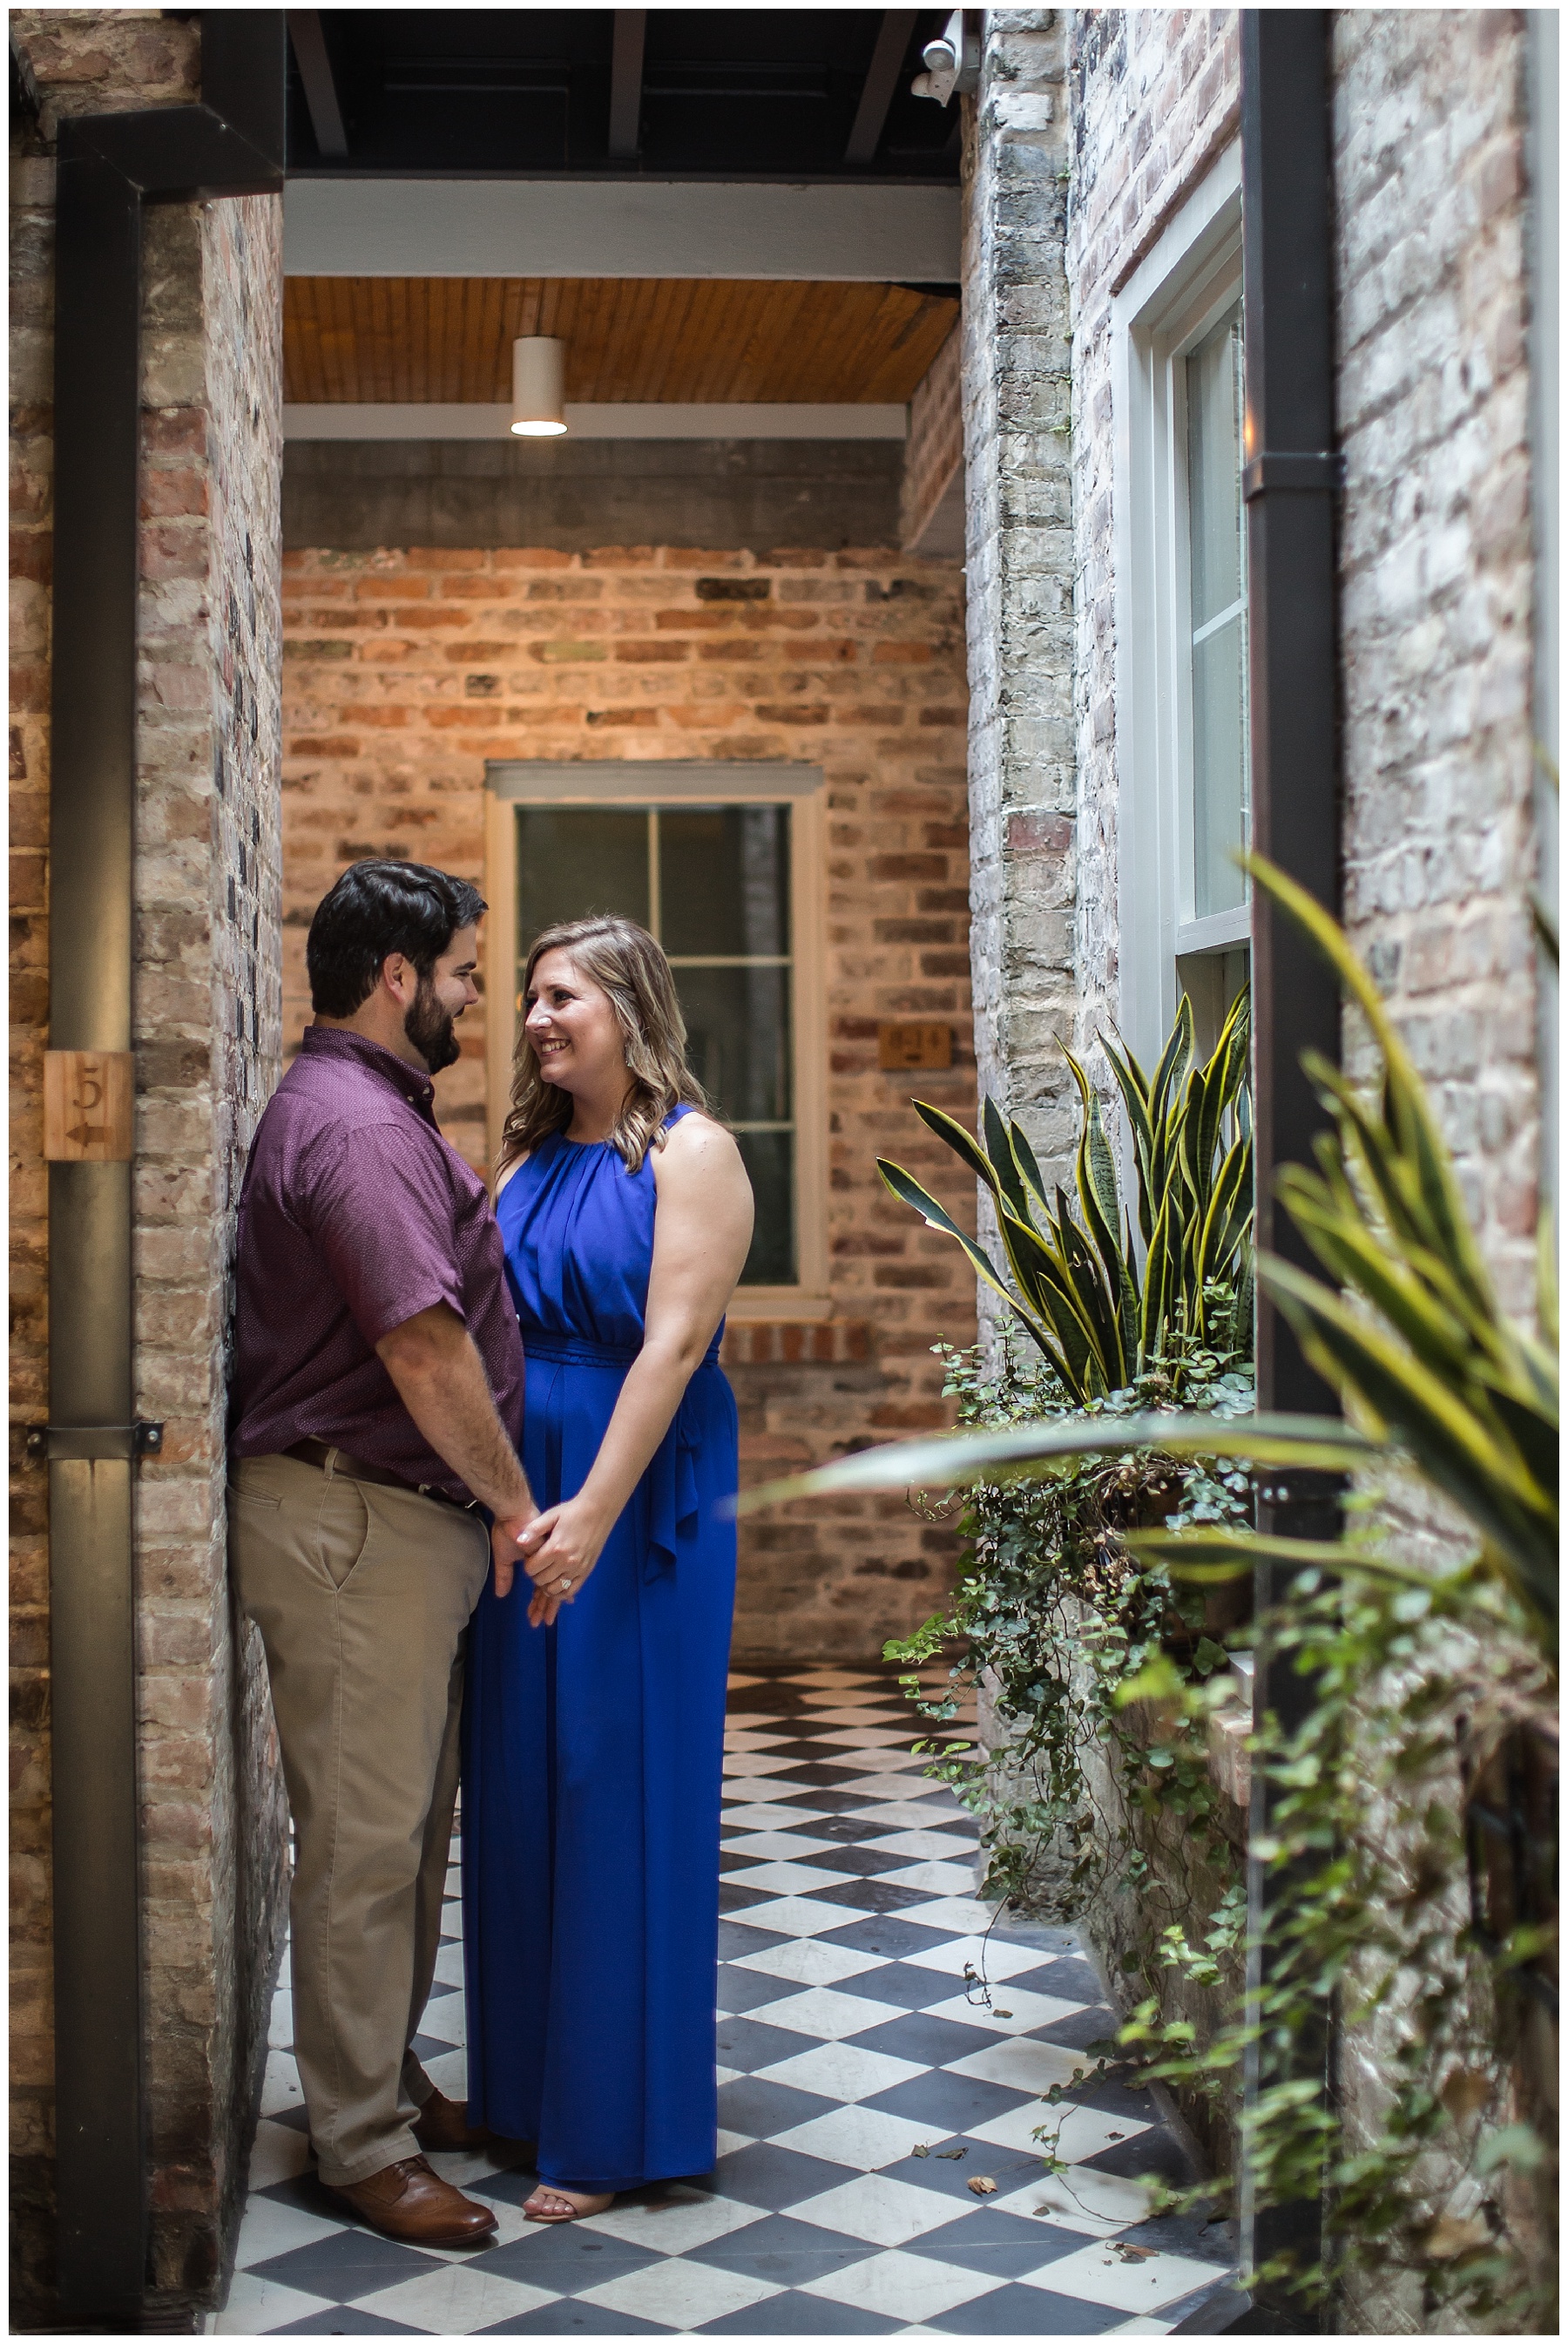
(558, 1549)
(507, 1535)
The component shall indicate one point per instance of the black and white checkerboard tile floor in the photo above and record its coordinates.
(862, 2090)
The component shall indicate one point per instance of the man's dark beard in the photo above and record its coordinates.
(428, 1028)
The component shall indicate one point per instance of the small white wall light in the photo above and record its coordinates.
(538, 378)
(952, 59)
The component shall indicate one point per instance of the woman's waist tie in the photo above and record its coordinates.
(671, 1472)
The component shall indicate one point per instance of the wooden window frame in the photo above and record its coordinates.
(510, 783)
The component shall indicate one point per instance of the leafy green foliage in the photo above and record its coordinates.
(1100, 1664)
(1367, 1827)
(1096, 1514)
(1045, 1442)
(1066, 1630)
(1439, 1369)
(1413, 1336)
(1101, 1305)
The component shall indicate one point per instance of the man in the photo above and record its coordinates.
(378, 1369)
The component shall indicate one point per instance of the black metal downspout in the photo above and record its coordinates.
(108, 166)
(1290, 482)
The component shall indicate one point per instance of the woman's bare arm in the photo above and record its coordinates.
(701, 1230)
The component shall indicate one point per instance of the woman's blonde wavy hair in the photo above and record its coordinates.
(624, 961)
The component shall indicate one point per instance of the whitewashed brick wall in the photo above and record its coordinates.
(1436, 556)
(1436, 577)
(1437, 585)
(1156, 97)
(1019, 575)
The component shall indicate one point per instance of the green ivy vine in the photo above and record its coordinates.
(1058, 1620)
(1101, 1665)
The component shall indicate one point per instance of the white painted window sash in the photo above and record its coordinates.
(1183, 286)
(1220, 618)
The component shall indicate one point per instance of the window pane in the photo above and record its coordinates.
(724, 879)
(737, 1039)
(1219, 586)
(1214, 468)
(770, 1159)
(573, 859)
(1219, 770)
(738, 1046)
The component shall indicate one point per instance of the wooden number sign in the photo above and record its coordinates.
(88, 1098)
(913, 1048)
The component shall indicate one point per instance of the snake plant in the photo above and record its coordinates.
(1409, 1334)
(1100, 1305)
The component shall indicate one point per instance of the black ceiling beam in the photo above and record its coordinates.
(626, 83)
(880, 85)
(304, 31)
(765, 93)
(191, 155)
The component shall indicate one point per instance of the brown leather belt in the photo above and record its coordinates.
(321, 1453)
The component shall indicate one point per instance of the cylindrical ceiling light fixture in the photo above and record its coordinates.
(538, 378)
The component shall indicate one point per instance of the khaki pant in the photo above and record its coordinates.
(362, 1595)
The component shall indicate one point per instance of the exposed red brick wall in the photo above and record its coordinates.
(407, 668)
(205, 1005)
(206, 1002)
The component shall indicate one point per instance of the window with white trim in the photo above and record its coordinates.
(1216, 618)
(1181, 618)
(721, 864)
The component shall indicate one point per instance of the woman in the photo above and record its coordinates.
(594, 1722)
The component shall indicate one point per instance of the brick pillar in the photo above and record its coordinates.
(206, 1012)
(1016, 407)
(208, 1036)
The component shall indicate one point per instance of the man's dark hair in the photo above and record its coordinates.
(376, 908)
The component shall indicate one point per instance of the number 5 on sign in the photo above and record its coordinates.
(88, 1098)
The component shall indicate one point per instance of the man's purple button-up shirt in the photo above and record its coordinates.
(354, 1215)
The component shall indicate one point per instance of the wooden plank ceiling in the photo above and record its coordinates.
(677, 339)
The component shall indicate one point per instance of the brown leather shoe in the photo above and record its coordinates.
(444, 2126)
(408, 2202)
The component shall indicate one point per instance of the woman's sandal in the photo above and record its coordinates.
(564, 2205)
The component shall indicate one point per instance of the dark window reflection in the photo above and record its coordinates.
(724, 880)
(770, 1159)
(574, 860)
(737, 1039)
(712, 882)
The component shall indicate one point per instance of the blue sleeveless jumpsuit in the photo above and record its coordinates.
(592, 1750)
